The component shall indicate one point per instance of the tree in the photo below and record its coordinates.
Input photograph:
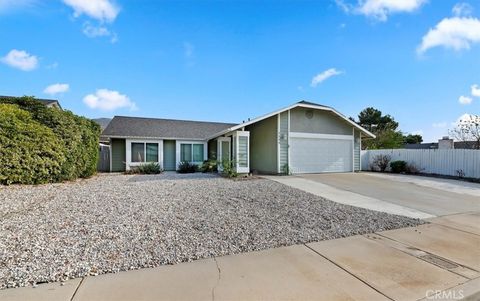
(383, 126)
(412, 139)
(372, 119)
(467, 129)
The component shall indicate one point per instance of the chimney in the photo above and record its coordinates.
(445, 143)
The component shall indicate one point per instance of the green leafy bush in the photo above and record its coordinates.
(145, 168)
(150, 168)
(78, 137)
(209, 166)
(30, 153)
(228, 169)
(187, 167)
(398, 166)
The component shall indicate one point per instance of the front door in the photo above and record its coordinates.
(223, 151)
(169, 155)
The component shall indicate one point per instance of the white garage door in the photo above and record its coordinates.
(314, 155)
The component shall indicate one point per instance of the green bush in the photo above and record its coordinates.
(398, 166)
(30, 153)
(209, 166)
(228, 169)
(187, 167)
(78, 136)
(149, 168)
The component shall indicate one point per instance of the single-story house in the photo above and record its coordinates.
(302, 138)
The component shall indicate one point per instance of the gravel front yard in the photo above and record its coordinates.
(117, 222)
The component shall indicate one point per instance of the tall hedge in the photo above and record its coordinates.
(77, 135)
(30, 152)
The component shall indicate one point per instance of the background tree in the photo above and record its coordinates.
(467, 129)
(383, 126)
(412, 139)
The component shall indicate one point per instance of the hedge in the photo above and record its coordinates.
(77, 139)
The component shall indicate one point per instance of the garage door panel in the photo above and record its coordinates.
(312, 155)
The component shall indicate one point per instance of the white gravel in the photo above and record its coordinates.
(112, 223)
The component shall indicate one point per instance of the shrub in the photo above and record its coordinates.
(398, 166)
(187, 167)
(30, 153)
(286, 170)
(149, 168)
(228, 169)
(411, 168)
(381, 162)
(209, 166)
(78, 136)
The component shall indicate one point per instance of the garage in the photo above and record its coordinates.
(318, 155)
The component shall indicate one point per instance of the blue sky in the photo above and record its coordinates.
(230, 60)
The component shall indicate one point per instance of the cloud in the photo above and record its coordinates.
(456, 33)
(475, 90)
(463, 119)
(93, 31)
(20, 59)
(101, 10)
(380, 9)
(465, 100)
(52, 66)
(108, 100)
(317, 79)
(439, 125)
(56, 88)
(7, 5)
(462, 9)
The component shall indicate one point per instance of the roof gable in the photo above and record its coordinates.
(303, 104)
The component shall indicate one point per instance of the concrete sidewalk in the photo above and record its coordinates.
(429, 262)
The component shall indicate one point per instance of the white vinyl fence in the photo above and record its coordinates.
(433, 161)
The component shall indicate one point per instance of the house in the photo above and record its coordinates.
(444, 143)
(49, 103)
(302, 138)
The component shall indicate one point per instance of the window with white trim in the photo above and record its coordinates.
(191, 152)
(144, 152)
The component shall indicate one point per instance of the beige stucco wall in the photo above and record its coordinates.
(263, 145)
(322, 122)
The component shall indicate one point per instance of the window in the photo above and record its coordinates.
(191, 152)
(144, 152)
(242, 151)
(152, 152)
(138, 152)
(198, 153)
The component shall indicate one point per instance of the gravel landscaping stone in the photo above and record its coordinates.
(115, 222)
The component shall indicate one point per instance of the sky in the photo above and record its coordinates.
(228, 61)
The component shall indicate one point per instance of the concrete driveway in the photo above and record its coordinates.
(413, 196)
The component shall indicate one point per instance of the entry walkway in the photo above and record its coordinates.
(441, 258)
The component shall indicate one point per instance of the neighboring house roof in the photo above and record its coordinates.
(102, 122)
(303, 104)
(138, 127)
(434, 145)
(46, 102)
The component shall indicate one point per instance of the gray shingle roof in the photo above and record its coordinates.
(122, 126)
